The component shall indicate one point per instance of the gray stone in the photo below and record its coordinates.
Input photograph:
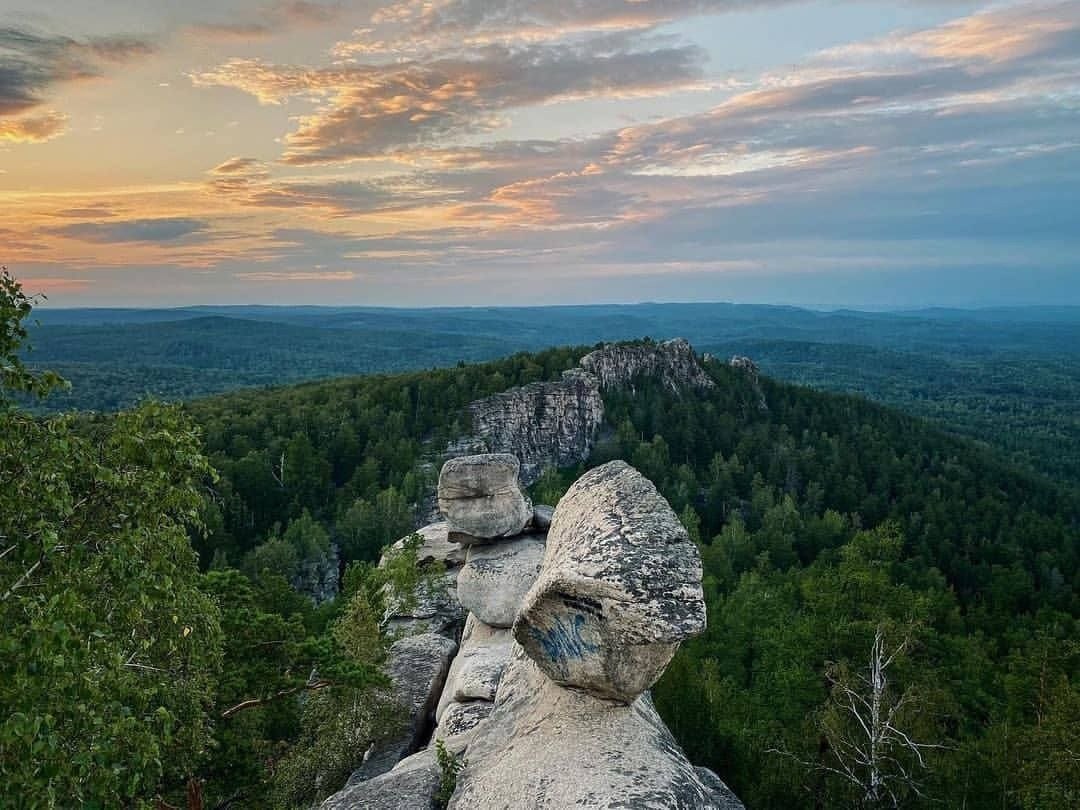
(544, 424)
(619, 590)
(481, 498)
(548, 748)
(672, 363)
(476, 670)
(722, 794)
(541, 519)
(413, 784)
(436, 546)
(461, 723)
(417, 667)
(434, 608)
(495, 578)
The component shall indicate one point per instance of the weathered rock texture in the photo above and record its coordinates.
(619, 590)
(481, 497)
(417, 668)
(750, 369)
(494, 580)
(562, 718)
(672, 363)
(545, 424)
(547, 747)
(412, 784)
(555, 424)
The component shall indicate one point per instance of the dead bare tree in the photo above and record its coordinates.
(863, 738)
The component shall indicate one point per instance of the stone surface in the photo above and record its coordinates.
(541, 519)
(417, 667)
(434, 609)
(481, 498)
(461, 723)
(722, 794)
(437, 546)
(544, 424)
(317, 577)
(412, 784)
(495, 578)
(673, 363)
(548, 748)
(619, 590)
(478, 667)
(750, 369)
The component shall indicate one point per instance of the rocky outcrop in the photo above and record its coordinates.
(750, 369)
(619, 590)
(317, 576)
(554, 712)
(555, 424)
(672, 363)
(544, 424)
(481, 498)
(413, 783)
(544, 746)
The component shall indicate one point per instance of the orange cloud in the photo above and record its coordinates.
(33, 129)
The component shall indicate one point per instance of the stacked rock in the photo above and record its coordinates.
(488, 513)
(572, 617)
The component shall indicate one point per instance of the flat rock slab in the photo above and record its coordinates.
(412, 784)
(495, 578)
(620, 587)
(461, 722)
(478, 667)
(481, 498)
(545, 747)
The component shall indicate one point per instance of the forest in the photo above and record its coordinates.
(154, 601)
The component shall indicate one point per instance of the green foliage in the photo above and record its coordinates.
(109, 648)
(15, 377)
(450, 766)
(830, 518)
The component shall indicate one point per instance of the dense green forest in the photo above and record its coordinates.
(832, 531)
(1007, 377)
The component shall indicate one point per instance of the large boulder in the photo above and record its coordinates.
(481, 498)
(477, 668)
(545, 747)
(413, 784)
(620, 587)
(436, 546)
(495, 578)
(417, 667)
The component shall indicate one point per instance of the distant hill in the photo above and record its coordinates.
(1009, 377)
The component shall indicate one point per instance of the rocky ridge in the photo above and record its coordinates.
(554, 424)
(569, 624)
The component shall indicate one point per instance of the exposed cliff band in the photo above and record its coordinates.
(555, 424)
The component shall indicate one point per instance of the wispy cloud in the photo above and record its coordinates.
(32, 63)
(373, 110)
(269, 276)
(163, 229)
(271, 19)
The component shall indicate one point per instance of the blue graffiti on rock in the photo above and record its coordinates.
(563, 639)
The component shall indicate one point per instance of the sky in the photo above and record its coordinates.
(528, 152)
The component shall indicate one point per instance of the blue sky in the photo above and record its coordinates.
(445, 152)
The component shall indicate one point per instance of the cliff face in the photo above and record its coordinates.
(672, 363)
(554, 424)
(544, 424)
